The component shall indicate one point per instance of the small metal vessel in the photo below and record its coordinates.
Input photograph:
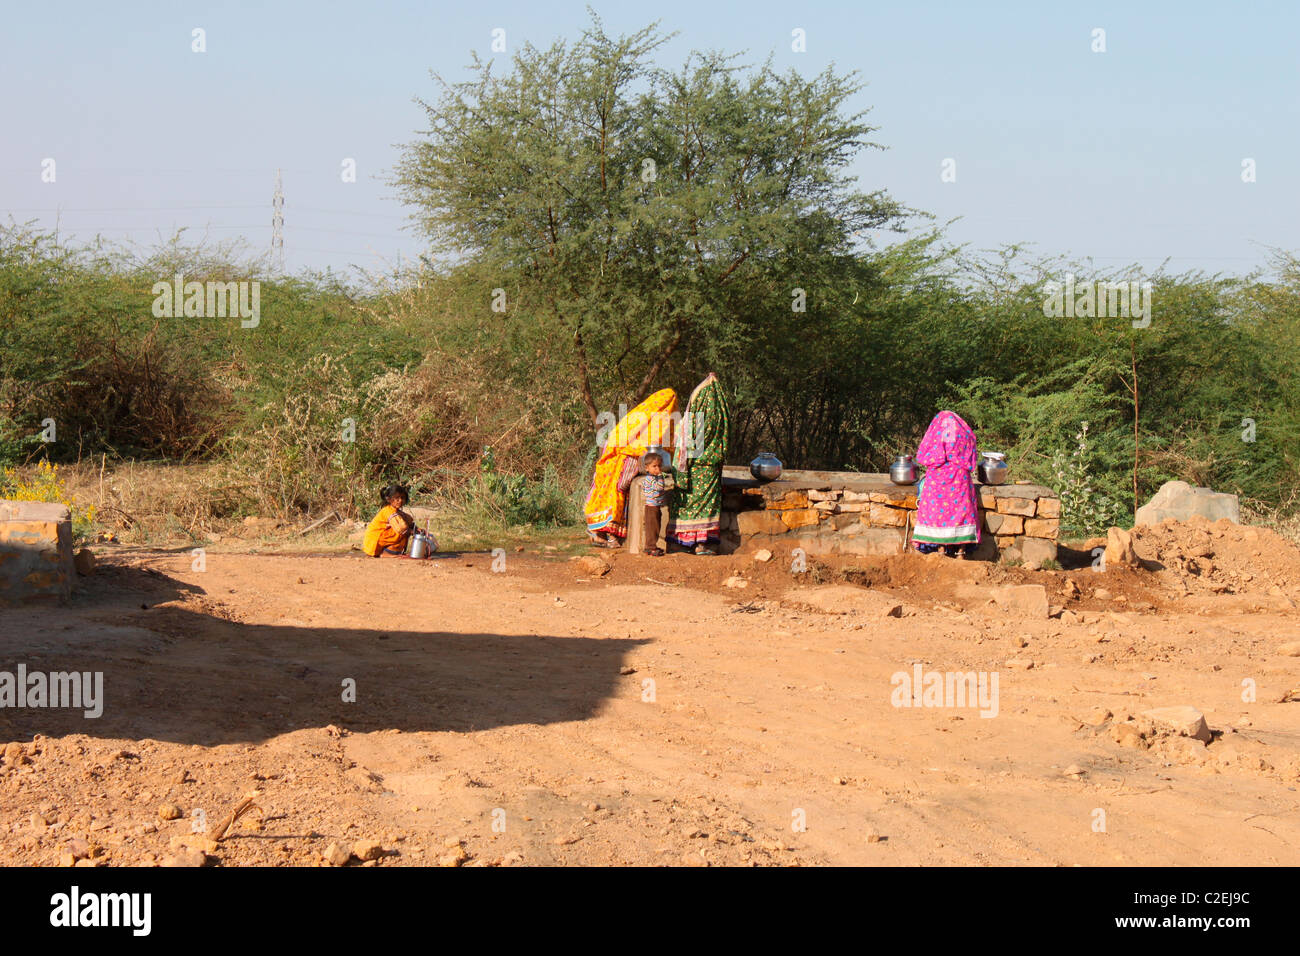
(992, 467)
(903, 470)
(422, 545)
(765, 467)
(664, 453)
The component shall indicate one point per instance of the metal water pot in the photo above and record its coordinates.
(765, 467)
(422, 544)
(663, 453)
(903, 470)
(992, 467)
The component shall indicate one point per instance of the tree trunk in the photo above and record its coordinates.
(584, 376)
(656, 367)
(1134, 366)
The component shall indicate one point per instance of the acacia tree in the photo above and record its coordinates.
(644, 210)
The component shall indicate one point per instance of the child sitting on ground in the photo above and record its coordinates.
(656, 488)
(390, 530)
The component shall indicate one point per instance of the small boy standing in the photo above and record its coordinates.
(656, 488)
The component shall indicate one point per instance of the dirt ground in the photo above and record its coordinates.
(660, 714)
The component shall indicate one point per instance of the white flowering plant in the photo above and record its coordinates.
(1085, 507)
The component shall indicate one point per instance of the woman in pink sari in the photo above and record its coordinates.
(947, 509)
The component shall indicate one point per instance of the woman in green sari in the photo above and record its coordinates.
(696, 515)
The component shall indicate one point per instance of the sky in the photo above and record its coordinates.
(1133, 155)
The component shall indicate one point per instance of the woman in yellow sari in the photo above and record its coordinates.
(650, 423)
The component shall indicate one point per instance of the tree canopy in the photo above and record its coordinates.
(645, 210)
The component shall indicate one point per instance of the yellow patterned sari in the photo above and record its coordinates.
(650, 423)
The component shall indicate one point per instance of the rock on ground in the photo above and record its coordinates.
(1180, 501)
(335, 855)
(594, 566)
(1185, 721)
(1035, 552)
(1120, 552)
(186, 856)
(456, 857)
(1028, 599)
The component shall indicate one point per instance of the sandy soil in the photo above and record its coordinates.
(657, 715)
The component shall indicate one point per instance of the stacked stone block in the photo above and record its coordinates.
(855, 513)
(35, 552)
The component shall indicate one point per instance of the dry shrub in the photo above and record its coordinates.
(310, 450)
(148, 395)
(332, 441)
(1284, 518)
(1182, 460)
(428, 427)
(140, 500)
(424, 432)
(137, 396)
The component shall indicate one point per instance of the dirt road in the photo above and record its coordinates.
(655, 715)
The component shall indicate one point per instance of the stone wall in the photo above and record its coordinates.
(854, 513)
(35, 552)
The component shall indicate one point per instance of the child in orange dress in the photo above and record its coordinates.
(389, 530)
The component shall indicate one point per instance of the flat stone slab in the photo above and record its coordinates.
(1028, 599)
(34, 511)
(738, 478)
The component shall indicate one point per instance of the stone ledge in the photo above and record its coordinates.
(737, 478)
(33, 511)
(866, 513)
(35, 552)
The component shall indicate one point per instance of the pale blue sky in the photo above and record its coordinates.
(1131, 155)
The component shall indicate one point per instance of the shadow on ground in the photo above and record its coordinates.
(174, 673)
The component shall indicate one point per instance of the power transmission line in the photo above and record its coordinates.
(277, 224)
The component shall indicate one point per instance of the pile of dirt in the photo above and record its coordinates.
(1224, 750)
(933, 573)
(1176, 559)
(746, 576)
(1221, 557)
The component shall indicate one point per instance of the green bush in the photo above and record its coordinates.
(429, 376)
(512, 499)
